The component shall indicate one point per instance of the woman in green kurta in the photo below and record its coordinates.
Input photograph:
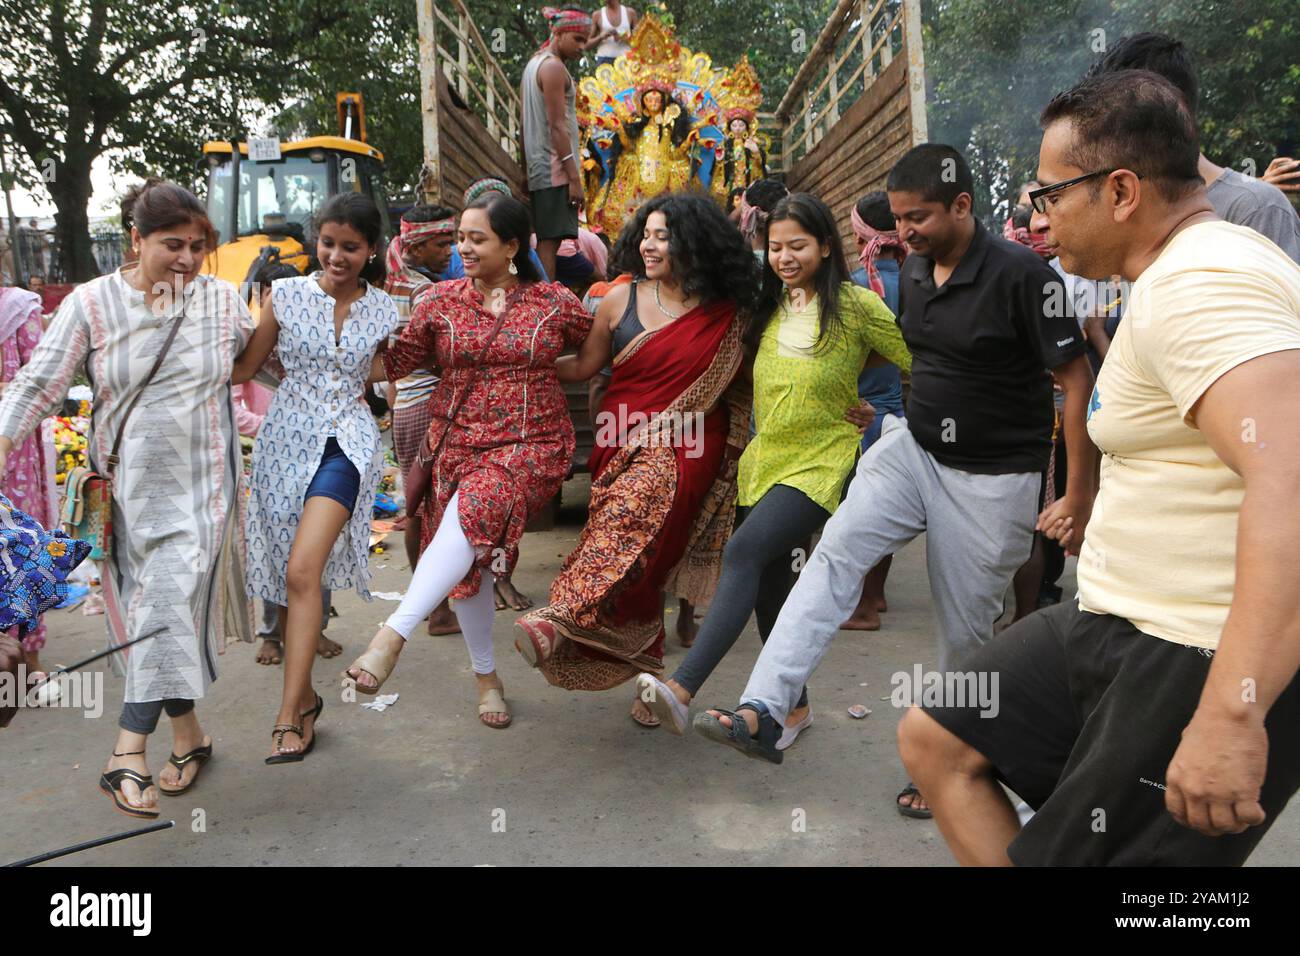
(812, 334)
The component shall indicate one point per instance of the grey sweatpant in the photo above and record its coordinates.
(979, 531)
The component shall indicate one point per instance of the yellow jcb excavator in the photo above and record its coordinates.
(261, 198)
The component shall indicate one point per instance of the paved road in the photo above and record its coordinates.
(574, 781)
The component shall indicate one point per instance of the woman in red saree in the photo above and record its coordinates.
(671, 427)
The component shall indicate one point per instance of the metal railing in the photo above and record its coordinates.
(860, 40)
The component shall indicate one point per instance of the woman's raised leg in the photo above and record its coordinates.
(447, 559)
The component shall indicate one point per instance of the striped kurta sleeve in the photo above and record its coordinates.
(39, 388)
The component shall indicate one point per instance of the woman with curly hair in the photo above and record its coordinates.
(670, 429)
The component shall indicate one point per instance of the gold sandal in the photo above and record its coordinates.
(377, 664)
(491, 701)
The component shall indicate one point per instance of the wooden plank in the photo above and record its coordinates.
(468, 151)
(431, 171)
(855, 152)
(854, 118)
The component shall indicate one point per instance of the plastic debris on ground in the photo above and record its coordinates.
(857, 711)
(381, 702)
(76, 594)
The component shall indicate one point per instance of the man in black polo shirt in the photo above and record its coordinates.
(984, 318)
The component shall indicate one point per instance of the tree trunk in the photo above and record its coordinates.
(70, 189)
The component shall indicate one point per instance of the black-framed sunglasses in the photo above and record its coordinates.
(1038, 197)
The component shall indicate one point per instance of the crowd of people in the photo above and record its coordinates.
(1114, 376)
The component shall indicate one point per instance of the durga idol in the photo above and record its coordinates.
(651, 155)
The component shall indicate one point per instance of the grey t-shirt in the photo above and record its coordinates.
(1263, 207)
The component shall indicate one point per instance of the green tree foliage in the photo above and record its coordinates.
(149, 81)
(992, 67)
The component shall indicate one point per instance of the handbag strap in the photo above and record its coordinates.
(469, 383)
(113, 459)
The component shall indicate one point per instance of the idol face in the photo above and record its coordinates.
(653, 102)
(739, 127)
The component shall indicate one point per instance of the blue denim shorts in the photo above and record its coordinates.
(336, 477)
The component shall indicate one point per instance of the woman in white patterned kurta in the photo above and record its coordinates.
(174, 574)
(317, 461)
(320, 396)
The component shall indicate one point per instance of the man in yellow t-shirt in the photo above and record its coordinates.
(1158, 721)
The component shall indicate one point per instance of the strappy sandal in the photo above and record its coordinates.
(377, 664)
(909, 811)
(279, 730)
(198, 756)
(537, 642)
(491, 701)
(110, 782)
(738, 737)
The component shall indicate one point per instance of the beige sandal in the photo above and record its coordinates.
(377, 664)
(490, 701)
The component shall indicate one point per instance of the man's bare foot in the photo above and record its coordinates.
(270, 651)
(327, 648)
(796, 715)
(865, 618)
(508, 596)
(33, 661)
(130, 789)
(643, 715)
(443, 621)
(882, 605)
(687, 627)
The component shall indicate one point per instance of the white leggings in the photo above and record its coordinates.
(444, 563)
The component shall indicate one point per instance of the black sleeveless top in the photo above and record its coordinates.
(629, 327)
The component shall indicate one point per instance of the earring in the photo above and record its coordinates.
(514, 270)
(372, 256)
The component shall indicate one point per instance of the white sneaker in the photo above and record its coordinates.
(659, 697)
(794, 730)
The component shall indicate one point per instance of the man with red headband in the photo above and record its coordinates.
(551, 132)
(423, 248)
(881, 252)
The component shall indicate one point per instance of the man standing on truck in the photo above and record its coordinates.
(550, 127)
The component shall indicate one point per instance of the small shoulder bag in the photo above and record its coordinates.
(420, 473)
(87, 512)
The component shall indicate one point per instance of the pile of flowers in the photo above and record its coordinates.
(70, 442)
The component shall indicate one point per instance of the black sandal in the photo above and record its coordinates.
(907, 811)
(279, 730)
(110, 782)
(199, 755)
(738, 737)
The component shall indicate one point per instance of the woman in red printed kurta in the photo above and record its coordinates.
(501, 438)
